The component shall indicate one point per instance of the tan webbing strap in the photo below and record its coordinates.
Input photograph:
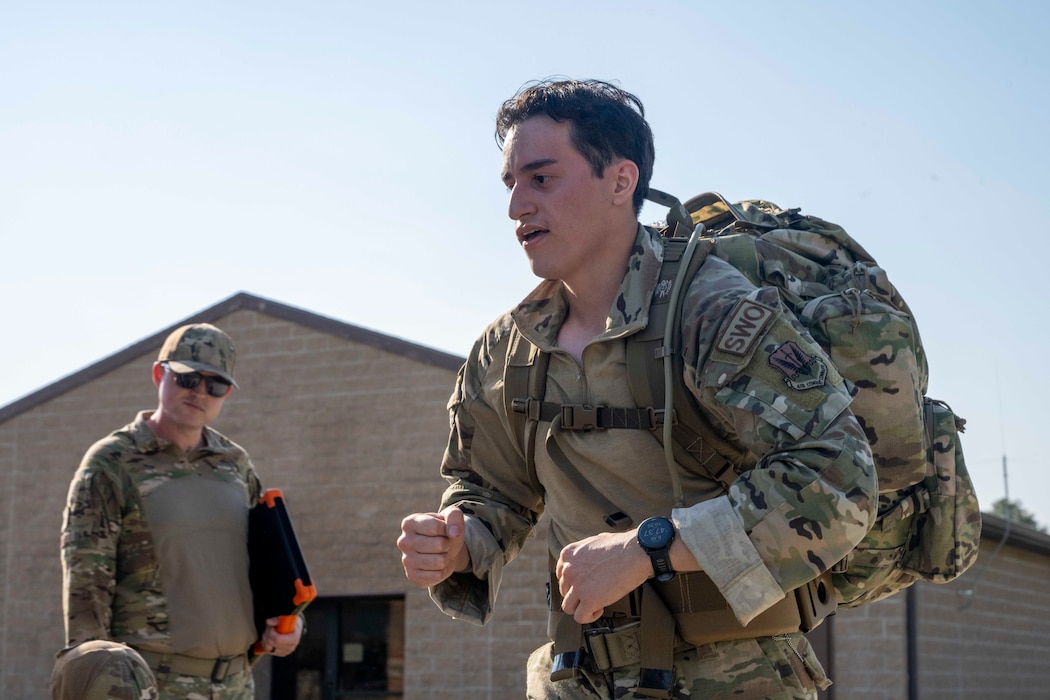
(563, 630)
(567, 635)
(695, 444)
(524, 385)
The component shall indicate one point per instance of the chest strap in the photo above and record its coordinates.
(579, 416)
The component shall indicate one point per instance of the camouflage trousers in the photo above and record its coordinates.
(174, 686)
(774, 668)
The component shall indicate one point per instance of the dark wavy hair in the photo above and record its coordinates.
(606, 123)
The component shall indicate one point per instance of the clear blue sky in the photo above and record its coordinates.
(338, 156)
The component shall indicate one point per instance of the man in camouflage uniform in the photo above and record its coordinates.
(577, 158)
(102, 670)
(154, 541)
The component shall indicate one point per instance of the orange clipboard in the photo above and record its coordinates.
(281, 584)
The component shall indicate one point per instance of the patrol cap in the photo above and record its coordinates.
(101, 670)
(200, 347)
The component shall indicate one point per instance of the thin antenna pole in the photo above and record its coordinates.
(968, 594)
(1008, 507)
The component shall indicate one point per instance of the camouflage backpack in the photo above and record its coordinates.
(928, 523)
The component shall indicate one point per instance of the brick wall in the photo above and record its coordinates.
(985, 635)
(352, 433)
(988, 634)
(39, 451)
(869, 654)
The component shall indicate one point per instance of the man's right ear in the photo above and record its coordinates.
(158, 373)
(625, 174)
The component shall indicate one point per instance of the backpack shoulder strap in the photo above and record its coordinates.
(524, 386)
(655, 368)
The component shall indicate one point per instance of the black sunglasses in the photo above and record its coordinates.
(213, 385)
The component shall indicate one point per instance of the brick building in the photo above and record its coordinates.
(350, 425)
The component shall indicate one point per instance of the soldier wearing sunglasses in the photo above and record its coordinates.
(159, 561)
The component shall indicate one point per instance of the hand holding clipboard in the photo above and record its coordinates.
(281, 584)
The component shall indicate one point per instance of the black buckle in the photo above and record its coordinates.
(222, 665)
(655, 682)
(528, 406)
(659, 415)
(564, 665)
(579, 416)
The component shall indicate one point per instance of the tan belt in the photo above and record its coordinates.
(703, 616)
(616, 648)
(215, 669)
(687, 610)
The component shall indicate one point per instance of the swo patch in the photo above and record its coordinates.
(744, 327)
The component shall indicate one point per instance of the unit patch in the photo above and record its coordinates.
(744, 327)
(801, 370)
(663, 289)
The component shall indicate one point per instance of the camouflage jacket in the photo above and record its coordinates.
(152, 558)
(808, 500)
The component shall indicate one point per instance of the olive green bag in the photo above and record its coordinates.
(929, 522)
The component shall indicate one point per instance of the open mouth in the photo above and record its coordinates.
(532, 234)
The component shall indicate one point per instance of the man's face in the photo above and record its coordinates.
(186, 409)
(561, 210)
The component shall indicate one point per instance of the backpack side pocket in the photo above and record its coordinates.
(873, 345)
(947, 534)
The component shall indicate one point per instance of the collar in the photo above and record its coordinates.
(540, 315)
(147, 441)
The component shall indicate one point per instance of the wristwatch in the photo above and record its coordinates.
(655, 536)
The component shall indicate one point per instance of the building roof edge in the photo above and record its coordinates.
(237, 302)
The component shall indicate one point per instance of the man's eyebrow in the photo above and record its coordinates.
(530, 167)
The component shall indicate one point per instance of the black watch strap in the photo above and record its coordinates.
(655, 536)
(662, 565)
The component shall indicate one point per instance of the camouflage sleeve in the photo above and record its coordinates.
(255, 489)
(90, 530)
(811, 494)
(488, 481)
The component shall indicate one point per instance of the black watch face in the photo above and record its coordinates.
(655, 533)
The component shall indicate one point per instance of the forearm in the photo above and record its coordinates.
(87, 595)
(470, 593)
